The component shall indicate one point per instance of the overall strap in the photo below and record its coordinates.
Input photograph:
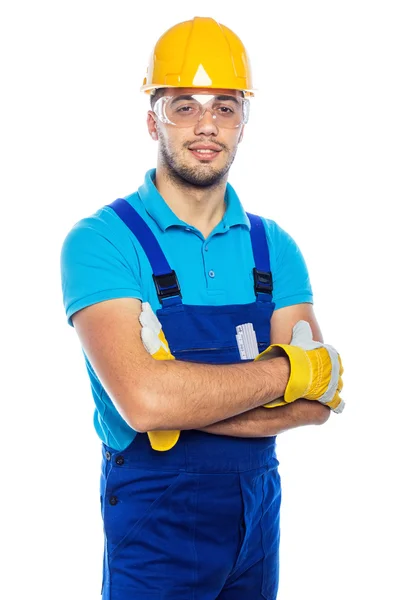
(262, 272)
(165, 279)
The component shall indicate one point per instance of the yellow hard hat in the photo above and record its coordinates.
(202, 54)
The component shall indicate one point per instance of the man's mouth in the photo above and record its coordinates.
(204, 152)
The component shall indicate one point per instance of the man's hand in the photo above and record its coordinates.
(316, 369)
(153, 337)
(155, 342)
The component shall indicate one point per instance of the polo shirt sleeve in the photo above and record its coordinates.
(289, 270)
(95, 267)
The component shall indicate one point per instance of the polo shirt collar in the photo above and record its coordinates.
(162, 214)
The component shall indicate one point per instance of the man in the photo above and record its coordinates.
(173, 291)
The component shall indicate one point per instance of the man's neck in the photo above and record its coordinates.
(202, 208)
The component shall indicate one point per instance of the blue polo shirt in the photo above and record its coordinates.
(101, 259)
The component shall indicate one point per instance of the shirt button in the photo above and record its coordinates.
(119, 460)
(107, 455)
(206, 248)
(113, 500)
(187, 229)
(211, 274)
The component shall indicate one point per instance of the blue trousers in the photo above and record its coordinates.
(200, 522)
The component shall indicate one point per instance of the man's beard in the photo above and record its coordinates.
(184, 175)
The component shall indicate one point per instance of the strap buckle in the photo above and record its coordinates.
(262, 282)
(167, 285)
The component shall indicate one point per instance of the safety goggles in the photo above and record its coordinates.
(188, 109)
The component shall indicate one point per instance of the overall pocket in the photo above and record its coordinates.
(131, 497)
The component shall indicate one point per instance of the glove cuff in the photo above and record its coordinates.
(300, 372)
(274, 403)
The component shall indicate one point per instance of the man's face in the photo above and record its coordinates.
(184, 150)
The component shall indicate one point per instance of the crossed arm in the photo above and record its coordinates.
(171, 395)
(263, 422)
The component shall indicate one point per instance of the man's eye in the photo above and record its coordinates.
(185, 109)
(225, 110)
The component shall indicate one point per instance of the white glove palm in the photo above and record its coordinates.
(154, 341)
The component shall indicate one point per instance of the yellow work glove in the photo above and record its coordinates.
(156, 344)
(315, 369)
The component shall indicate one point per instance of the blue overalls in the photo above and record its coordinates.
(200, 521)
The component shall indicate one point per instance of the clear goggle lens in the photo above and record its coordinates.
(186, 111)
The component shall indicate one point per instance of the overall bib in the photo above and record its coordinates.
(200, 521)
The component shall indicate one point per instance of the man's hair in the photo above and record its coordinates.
(154, 97)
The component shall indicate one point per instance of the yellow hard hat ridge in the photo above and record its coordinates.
(200, 53)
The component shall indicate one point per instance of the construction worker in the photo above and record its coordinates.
(201, 344)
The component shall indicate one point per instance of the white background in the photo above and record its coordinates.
(322, 156)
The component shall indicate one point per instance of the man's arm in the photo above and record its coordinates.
(168, 395)
(284, 319)
(263, 422)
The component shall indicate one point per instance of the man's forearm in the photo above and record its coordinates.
(264, 422)
(184, 395)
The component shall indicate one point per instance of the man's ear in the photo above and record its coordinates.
(152, 125)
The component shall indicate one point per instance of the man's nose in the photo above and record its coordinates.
(206, 123)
